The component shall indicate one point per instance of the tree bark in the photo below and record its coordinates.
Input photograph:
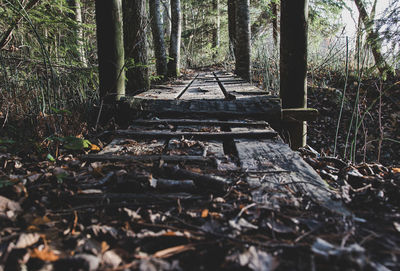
(217, 24)
(274, 9)
(158, 37)
(167, 18)
(110, 46)
(293, 63)
(373, 38)
(232, 26)
(175, 43)
(75, 6)
(135, 43)
(243, 36)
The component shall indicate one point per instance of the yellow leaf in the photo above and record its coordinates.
(94, 147)
(204, 213)
(104, 246)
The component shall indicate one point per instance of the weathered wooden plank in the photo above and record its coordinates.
(186, 88)
(209, 91)
(266, 108)
(216, 183)
(148, 158)
(292, 173)
(255, 134)
(231, 123)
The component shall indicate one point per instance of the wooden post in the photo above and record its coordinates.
(110, 46)
(175, 42)
(243, 39)
(158, 38)
(135, 44)
(293, 64)
(232, 27)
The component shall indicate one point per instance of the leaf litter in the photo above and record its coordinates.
(70, 214)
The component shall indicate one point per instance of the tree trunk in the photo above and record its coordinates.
(110, 46)
(243, 36)
(175, 43)
(158, 37)
(274, 10)
(293, 63)
(232, 26)
(135, 43)
(373, 39)
(75, 6)
(217, 24)
(167, 18)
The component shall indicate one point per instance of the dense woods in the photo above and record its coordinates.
(199, 135)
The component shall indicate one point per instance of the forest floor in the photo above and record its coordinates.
(59, 212)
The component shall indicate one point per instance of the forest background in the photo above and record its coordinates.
(49, 75)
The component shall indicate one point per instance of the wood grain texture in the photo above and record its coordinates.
(291, 175)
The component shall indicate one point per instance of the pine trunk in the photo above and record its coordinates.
(167, 18)
(274, 8)
(158, 37)
(135, 43)
(175, 43)
(110, 48)
(243, 36)
(217, 24)
(293, 63)
(232, 26)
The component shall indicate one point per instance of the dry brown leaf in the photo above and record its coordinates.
(44, 255)
(396, 170)
(168, 252)
(170, 233)
(104, 246)
(41, 221)
(204, 213)
(27, 239)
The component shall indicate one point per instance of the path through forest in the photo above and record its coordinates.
(196, 193)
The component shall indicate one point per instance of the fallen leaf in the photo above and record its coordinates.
(168, 252)
(94, 147)
(41, 220)
(27, 239)
(44, 255)
(396, 170)
(204, 213)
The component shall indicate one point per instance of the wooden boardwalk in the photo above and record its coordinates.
(219, 123)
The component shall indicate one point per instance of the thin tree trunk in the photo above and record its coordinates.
(232, 26)
(373, 39)
(217, 24)
(175, 43)
(135, 44)
(167, 18)
(110, 46)
(75, 6)
(293, 63)
(274, 9)
(158, 37)
(243, 36)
